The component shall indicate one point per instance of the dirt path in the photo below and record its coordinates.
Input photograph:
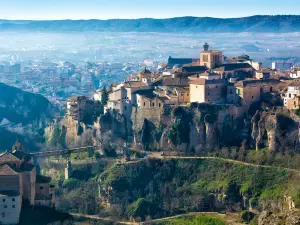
(157, 155)
(230, 218)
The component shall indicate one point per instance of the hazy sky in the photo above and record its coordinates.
(106, 9)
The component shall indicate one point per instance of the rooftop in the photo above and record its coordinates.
(146, 93)
(170, 81)
(245, 83)
(9, 193)
(193, 69)
(145, 71)
(42, 179)
(203, 81)
(133, 84)
(233, 66)
(8, 157)
(7, 170)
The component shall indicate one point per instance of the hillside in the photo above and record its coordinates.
(161, 188)
(23, 116)
(264, 23)
(19, 106)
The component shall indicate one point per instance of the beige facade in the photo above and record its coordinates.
(250, 91)
(211, 58)
(208, 91)
(294, 103)
(10, 207)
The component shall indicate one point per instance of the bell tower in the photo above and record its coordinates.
(205, 47)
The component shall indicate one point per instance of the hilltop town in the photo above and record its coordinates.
(236, 87)
(212, 106)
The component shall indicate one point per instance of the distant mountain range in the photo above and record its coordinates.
(279, 23)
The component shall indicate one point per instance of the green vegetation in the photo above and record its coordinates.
(178, 185)
(193, 220)
(104, 96)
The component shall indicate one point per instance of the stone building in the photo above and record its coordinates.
(81, 108)
(250, 91)
(18, 184)
(211, 58)
(208, 91)
(10, 207)
(44, 191)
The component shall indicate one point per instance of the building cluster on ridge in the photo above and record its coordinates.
(212, 78)
(21, 185)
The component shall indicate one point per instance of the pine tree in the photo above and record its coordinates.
(104, 96)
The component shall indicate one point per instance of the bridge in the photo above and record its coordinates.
(61, 152)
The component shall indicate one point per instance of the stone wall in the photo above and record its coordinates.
(138, 116)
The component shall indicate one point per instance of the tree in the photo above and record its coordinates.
(104, 96)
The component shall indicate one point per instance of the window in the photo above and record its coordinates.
(5, 207)
(216, 86)
(271, 89)
(252, 97)
(159, 105)
(188, 94)
(144, 103)
(196, 86)
(238, 91)
(125, 107)
(153, 104)
(13, 199)
(261, 90)
(3, 214)
(208, 94)
(3, 200)
(41, 187)
(13, 206)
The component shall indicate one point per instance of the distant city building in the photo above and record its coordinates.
(281, 65)
(295, 72)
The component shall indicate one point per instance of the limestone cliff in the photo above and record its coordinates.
(291, 217)
(276, 130)
(67, 132)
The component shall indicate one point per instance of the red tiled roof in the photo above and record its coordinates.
(5, 170)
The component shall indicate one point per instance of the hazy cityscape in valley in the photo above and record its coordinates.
(113, 56)
(149, 112)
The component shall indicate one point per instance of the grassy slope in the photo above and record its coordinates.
(161, 181)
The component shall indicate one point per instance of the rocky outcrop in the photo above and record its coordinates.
(291, 217)
(274, 130)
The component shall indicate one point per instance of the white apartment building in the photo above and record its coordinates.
(293, 91)
(10, 207)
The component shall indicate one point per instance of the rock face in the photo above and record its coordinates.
(67, 132)
(291, 217)
(274, 130)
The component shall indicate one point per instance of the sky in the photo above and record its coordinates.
(108, 9)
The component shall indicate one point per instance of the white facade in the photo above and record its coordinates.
(10, 208)
(292, 92)
(295, 73)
